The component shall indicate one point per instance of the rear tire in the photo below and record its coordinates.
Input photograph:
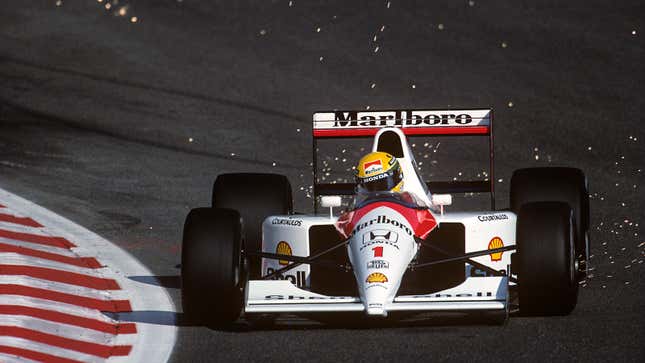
(211, 266)
(568, 185)
(255, 196)
(547, 282)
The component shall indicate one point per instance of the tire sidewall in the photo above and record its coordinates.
(546, 271)
(212, 270)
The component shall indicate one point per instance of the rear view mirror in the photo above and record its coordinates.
(330, 201)
(441, 200)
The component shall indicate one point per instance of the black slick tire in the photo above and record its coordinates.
(255, 196)
(547, 283)
(557, 184)
(211, 266)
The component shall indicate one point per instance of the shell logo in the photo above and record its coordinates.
(496, 242)
(376, 277)
(283, 248)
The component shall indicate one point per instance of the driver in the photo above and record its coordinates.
(379, 177)
(378, 172)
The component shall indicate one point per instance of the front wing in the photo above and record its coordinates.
(280, 296)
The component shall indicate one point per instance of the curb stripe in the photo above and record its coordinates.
(60, 287)
(69, 319)
(65, 277)
(57, 306)
(112, 306)
(37, 247)
(99, 350)
(50, 305)
(25, 221)
(37, 238)
(88, 262)
(30, 354)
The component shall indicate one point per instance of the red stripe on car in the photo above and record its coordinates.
(421, 220)
(354, 132)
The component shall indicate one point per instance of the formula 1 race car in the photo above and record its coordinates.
(391, 251)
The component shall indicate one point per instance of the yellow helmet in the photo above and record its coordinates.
(378, 171)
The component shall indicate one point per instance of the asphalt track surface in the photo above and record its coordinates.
(121, 126)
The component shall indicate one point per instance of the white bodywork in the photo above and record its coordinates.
(290, 292)
(388, 241)
(294, 232)
(476, 293)
(377, 241)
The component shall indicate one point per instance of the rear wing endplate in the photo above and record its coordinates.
(362, 124)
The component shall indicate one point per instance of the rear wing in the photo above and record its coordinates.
(363, 124)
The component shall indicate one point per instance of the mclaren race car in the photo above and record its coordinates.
(388, 252)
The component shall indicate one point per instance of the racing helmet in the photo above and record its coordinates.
(377, 172)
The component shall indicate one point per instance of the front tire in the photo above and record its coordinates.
(211, 266)
(547, 281)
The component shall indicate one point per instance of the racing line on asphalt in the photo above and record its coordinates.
(66, 294)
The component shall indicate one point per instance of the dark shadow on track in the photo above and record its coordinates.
(150, 317)
(331, 322)
(361, 322)
(175, 92)
(125, 137)
(169, 282)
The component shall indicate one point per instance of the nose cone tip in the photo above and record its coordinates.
(376, 311)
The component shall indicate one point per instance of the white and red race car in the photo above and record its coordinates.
(390, 252)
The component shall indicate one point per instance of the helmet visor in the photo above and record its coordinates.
(381, 182)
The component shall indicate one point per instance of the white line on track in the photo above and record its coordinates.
(104, 295)
(10, 258)
(15, 227)
(6, 358)
(49, 249)
(61, 330)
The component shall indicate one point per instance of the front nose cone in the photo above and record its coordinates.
(376, 293)
(380, 249)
